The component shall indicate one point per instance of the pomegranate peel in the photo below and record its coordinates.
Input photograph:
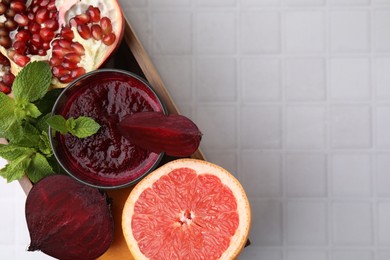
(176, 135)
(67, 219)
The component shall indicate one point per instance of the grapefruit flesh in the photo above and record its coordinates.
(187, 209)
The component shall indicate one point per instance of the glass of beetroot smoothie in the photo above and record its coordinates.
(105, 159)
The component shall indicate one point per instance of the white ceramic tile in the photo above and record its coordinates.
(349, 2)
(7, 222)
(260, 127)
(382, 78)
(305, 79)
(172, 33)
(383, 255)
(259, 253)
(350, 79)
(351, 174)
(267, 224)
(143, 27)
(127, 5)
(261, 173)
(215, 3)
(260, 79)
(352, 223)
(305, 2)
(381, 1)
(305, 175)
(218, 125)
(176, 73)
(306, 223)
(352, 255)
(170, 3)
(305, 126)
(226, 159)
(350, 126)
(349, 30)
(209, 26)
(307, 255)
(216, 79)
(305, 31)
(260, 32)
(383, 223)
(382, 166)
(7, 251)
(255, 3)
(383, 126)
(381, 34)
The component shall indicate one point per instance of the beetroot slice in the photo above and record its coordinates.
(176, 135)
(67, 219)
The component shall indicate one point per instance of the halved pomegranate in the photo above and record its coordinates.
(74, 36)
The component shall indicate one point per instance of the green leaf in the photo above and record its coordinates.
(44, 144)
(45, 104)
(32, 82)
(32, 110)
(25, 110)
(30, 136)
(58, 123)
(41, 123)
(11, 152)
(15, 169)
(10, 128)
(70, 123)
(84, 127)
(38, 168)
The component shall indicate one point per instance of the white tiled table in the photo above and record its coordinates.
(293, 97)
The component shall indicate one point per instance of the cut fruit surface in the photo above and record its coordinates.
(187, 209)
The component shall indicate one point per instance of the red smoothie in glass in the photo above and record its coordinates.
(105, 159)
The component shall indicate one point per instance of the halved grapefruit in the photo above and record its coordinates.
(187, 209)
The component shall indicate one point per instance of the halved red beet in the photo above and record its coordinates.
(67, 219)
(176, 135)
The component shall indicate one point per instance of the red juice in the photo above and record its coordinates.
(105, 159)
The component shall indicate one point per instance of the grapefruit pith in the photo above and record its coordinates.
(187, 209)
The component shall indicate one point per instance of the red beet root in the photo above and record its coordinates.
(68, 219)
(176, 135)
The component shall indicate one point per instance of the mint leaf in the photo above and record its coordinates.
(25, 110)
(30, 136)
(9, 126)
(44, 144)
(38, 168)
(84, 127)
(32, 82)
(41, 123)
(58, 123)
(15, 169)
(45, 104)
(11, 152)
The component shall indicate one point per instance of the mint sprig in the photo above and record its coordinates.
(23, 122)
(80, 127)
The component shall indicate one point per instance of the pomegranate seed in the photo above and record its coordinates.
(35, 7)
(10, 13)
(20, 59)
(21, 19)
(84, 31)
(4, 61)
(109, 39)
(55, 61)
(8, 78)
(46, 45)
(60, 52)
(31, 16)
(106, 25)
(83, 18)
(4, 88)
(55, 42)
(66, 79)
(51, 24)
(73, 22)
(4, 32)
(36, 40)
(77, 72)
(18, 6)
(65, 44)
(69, 65)
(3, 8)
(60, 71)
(34, 27)
(67, 33)
(33, 49)
(42, 52)
(94, 13)
(72, 57)
(5, 41)
(78, 48)
(46, 34)
(97, 32)
(10, 24)
(51, 6)
(44, 3)
(41, 16)
(20, 47)
(22, 35)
